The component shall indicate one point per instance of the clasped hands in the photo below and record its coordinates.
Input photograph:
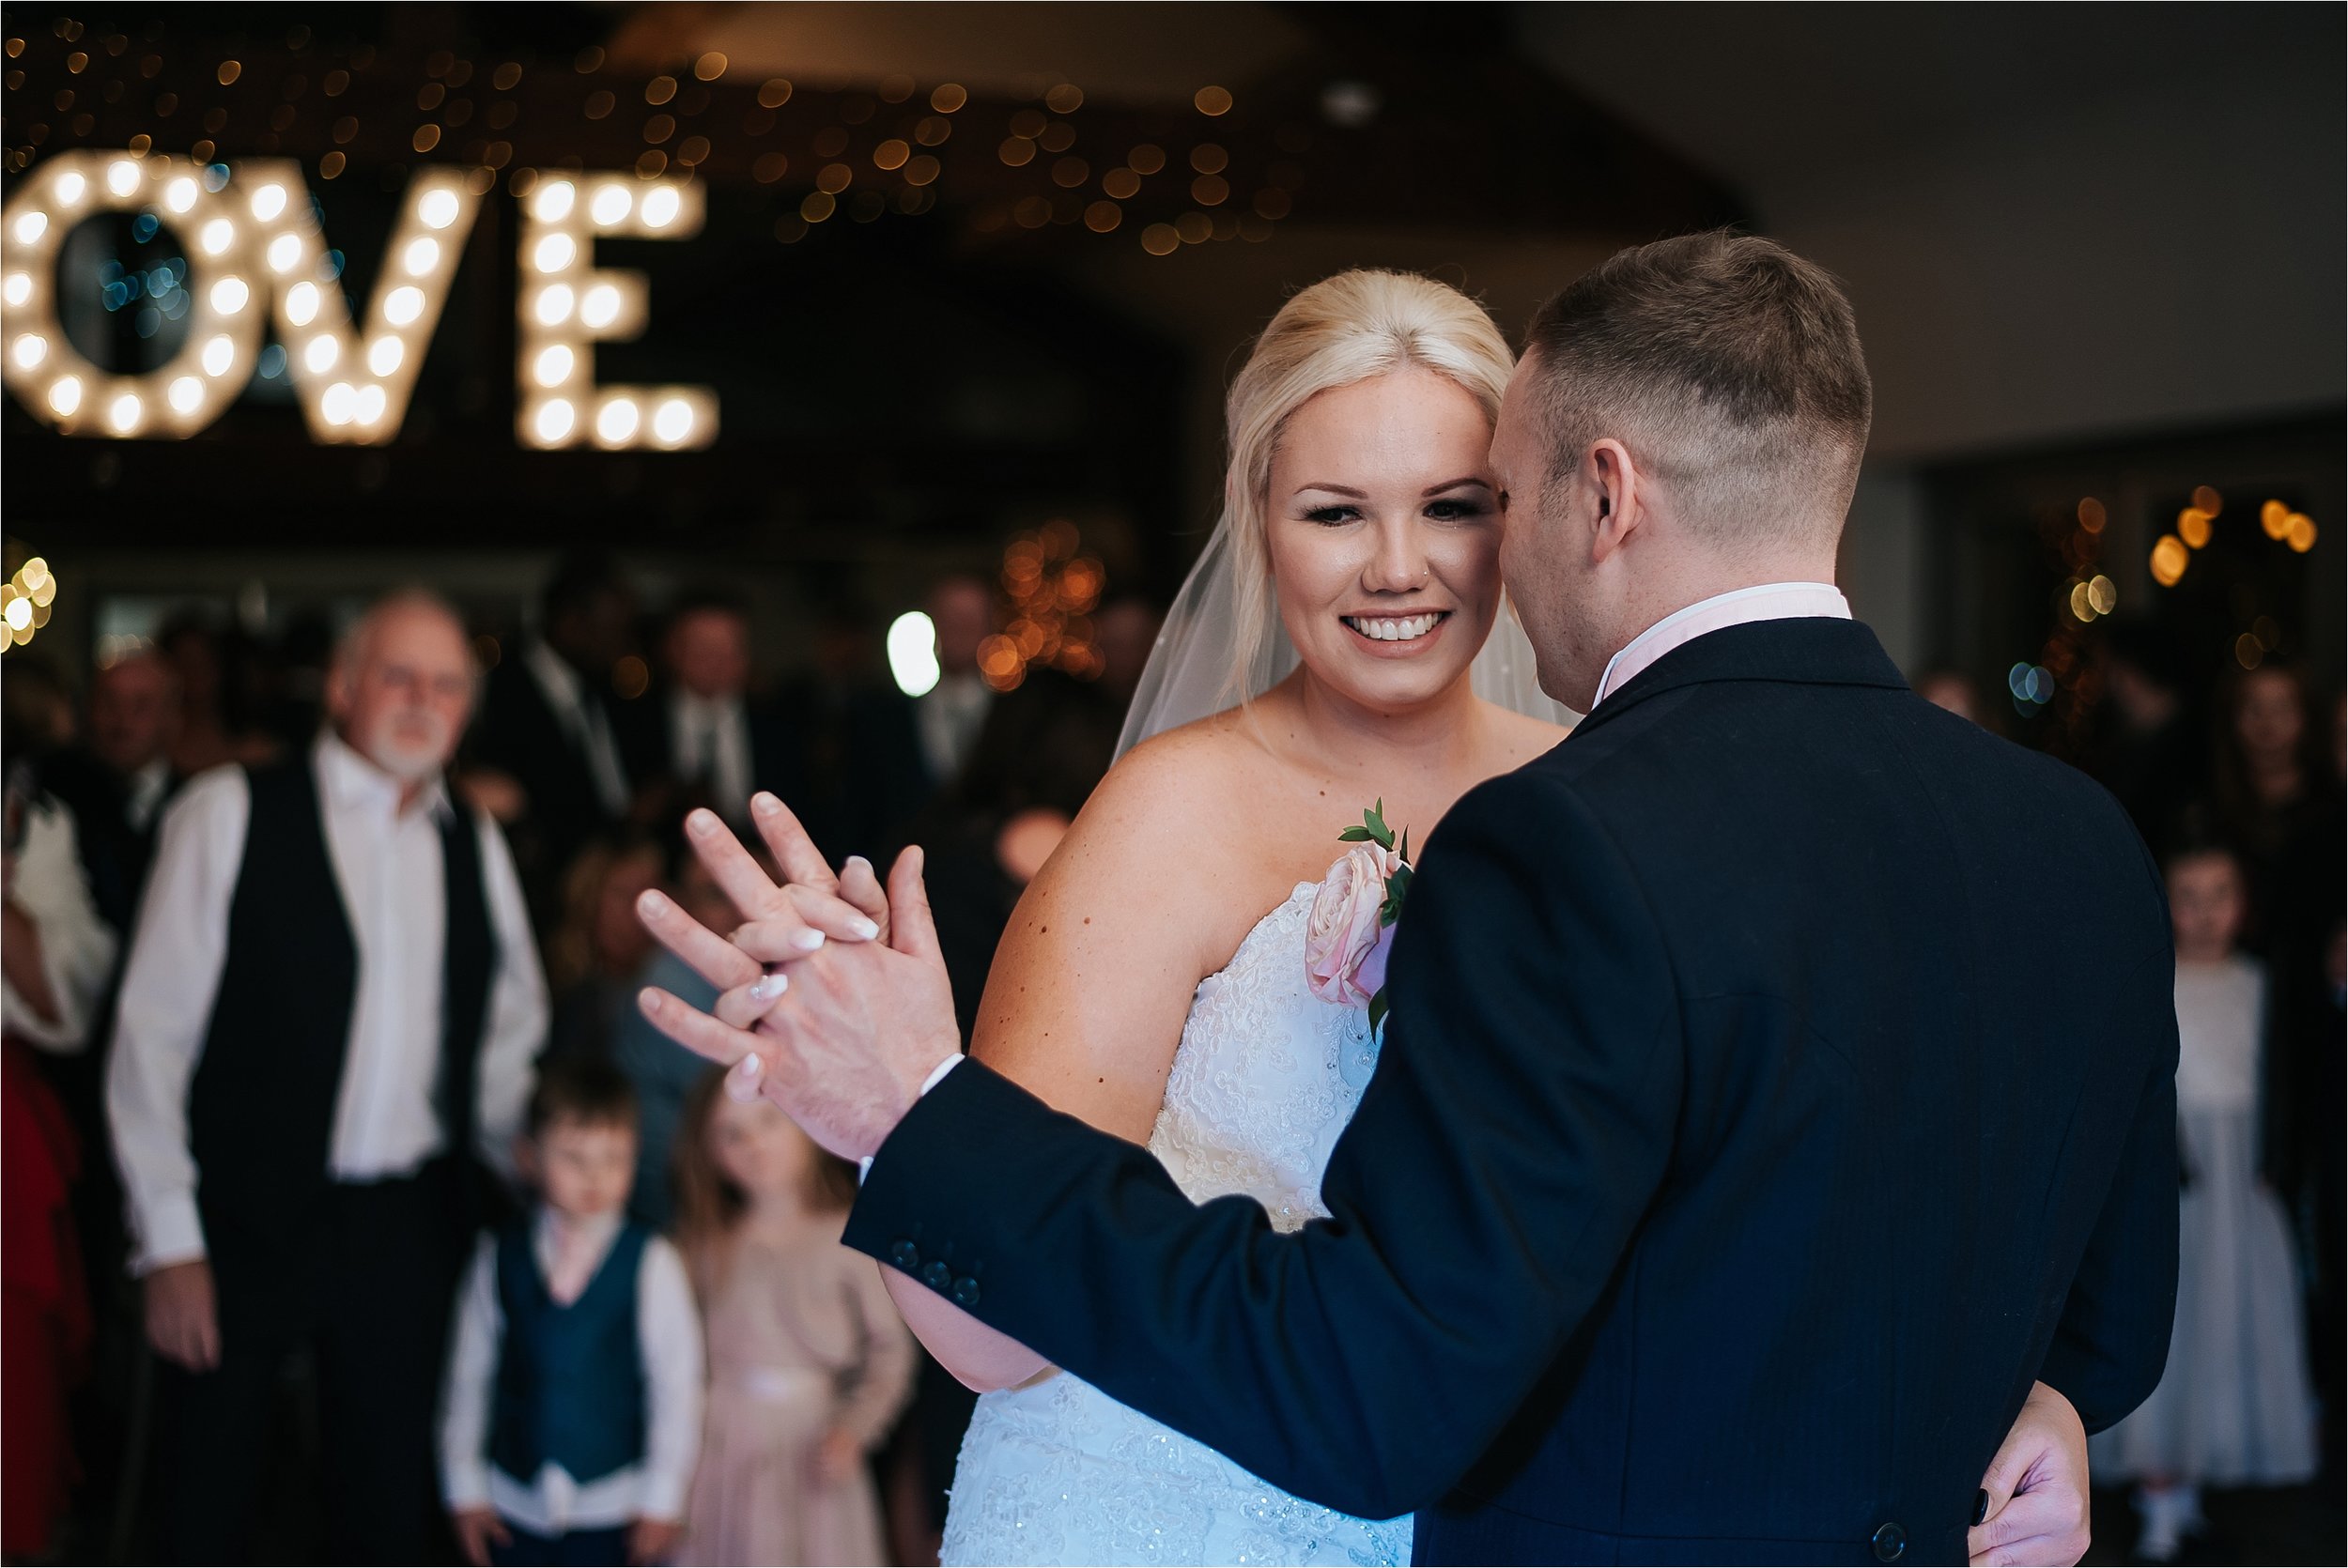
(833, 998)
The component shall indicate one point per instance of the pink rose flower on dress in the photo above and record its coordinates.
(1346, 937)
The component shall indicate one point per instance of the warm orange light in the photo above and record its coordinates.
(2275, 518)
(2208, 499)
(2193, 527)
(2299, 533)
(2169, 560)
(2092, 514)
(1211, 102)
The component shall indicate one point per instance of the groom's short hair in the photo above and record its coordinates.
(1731, 369)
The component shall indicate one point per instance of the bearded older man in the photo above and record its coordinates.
(332, 1002)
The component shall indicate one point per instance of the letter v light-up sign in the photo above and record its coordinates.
(255, 246)
(253, 241)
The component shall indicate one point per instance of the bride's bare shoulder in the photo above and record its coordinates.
(1165, 808)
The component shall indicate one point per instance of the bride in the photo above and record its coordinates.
(1143, 986)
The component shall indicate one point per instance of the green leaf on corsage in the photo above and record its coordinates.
(1377, 1010)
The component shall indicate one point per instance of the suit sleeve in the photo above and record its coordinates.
(1517, 1126)
(2111, 1343)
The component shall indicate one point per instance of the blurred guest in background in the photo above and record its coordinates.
(2234, 1407)
(547, 724)
(2269, 785)
(217, 677)
(2149, 754)
(704, 737)
(949, 716)
(332, 1000)
(594, 954)
(663, 1075)
(809, 1362)
(574, 1398)
(55, 956)
(117, 780)
(904, 754)
(1953, 691)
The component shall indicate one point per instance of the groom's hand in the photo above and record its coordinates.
(2035, 1497)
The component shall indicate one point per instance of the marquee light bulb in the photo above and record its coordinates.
(124, 414)
(673, 422)
(601, 307)
(301, 303)
(554, 200)
(610, 205)
(31, 226)
(72, 188)
(319, 354)
(219, 355)
(180, 194)
(421, 257)
(661, 207)
(554, 421)
(122, 177)
(217, 237)
(554, 304)
(19, 288)
(403, 305)
(555, 252)
(438, 210)
(64, 395)
(230, 294)
(553, 367)
(284, 253)
(268, 202)
(341, 404)
(371, 405)
(383, 357)
(617, 421)
(187, 395)
(30, 350)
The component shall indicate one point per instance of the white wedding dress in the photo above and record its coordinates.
(1265, 1078)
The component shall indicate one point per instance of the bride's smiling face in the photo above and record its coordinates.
(1383, 534)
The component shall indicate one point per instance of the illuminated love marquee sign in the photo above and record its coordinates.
(255, 242)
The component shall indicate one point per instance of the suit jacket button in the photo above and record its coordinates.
(937, 1276)
(966, 1292)
(905, 1255)
(1890, 1543)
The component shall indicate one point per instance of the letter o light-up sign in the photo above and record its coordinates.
(255, 246)
(567, 306)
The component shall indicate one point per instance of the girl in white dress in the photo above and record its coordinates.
(2235, 1407)
(1154, 979)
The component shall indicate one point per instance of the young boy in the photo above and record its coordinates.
(573, 1409)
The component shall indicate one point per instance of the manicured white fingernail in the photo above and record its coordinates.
(767, 986)
(764, 804)
(807, 940)
(651, 901)
(742, 1083)
(864, 929)
(856, 860)
(702, 824)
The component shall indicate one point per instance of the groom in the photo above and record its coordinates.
(1778, 1087)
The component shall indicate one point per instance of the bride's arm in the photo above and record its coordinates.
(1084, 1006)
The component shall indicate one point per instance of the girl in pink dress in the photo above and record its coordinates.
(809, 1363)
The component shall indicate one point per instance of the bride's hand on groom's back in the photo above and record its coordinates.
(2034, 1497)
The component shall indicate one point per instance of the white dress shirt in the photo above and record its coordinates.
(77, 948)
(584, 721)
(948, 717)
(389, 866)
(1775, 601)
(669, 1336)
(710, 741)
(144, 794)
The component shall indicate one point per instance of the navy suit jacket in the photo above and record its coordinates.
(1779, 1078)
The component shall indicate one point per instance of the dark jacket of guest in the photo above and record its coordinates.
(1780, 1078)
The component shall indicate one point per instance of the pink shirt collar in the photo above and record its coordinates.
(1774, 601)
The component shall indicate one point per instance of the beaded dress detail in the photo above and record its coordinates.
(1266, 1077)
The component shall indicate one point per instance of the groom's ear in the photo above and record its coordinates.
(1615, 477)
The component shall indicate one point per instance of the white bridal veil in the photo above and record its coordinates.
(1189, 674)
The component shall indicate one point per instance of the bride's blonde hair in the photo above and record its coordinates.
(1342, 330)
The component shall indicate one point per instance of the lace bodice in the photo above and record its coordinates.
(1265, 1078)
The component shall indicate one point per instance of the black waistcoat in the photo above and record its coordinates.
(261, 1108)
